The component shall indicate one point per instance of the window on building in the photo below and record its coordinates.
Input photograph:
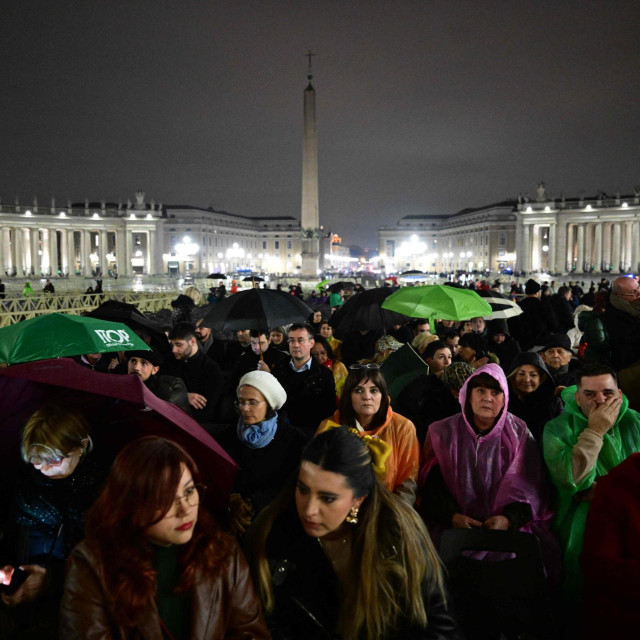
(276, 244)
(264, 244)
(502, 239)
(289, 245)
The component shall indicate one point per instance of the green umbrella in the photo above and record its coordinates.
(57, 335)
(437, 301)
(322, 284)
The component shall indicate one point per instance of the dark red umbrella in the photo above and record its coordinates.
(119, 409)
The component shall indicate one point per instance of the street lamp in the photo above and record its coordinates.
(187, 250)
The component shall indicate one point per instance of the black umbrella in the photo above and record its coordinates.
(339, 286)
(256, 309)
(130, 315)
(216, 276)
(253, 279)
(363, 311)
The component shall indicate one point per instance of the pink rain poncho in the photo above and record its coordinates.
(486, 472)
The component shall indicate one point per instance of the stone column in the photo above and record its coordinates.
(86, 251)
(3, 262)
(121, 252)
(18, 238)
(571, 228)
(54, 253)
(35, 258)
(526, 248)
(628, 246)
(7, 262)
(64, 251)
(606, 246)
(616, 248)
(71, 252)
(151, 241)
(535, 247)
(102, 253)
(635, 246)
(45, 262)
(588, 247)
(561, 247)
(553, 241)
(580, 258)
(128, 252)
(519, 250)
(597, 247)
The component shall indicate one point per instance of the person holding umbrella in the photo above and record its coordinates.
(154, 563)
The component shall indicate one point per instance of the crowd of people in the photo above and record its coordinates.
(341, 500)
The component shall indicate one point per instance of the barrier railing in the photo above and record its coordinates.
(14, 310)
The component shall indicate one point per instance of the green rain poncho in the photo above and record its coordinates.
(559, 437)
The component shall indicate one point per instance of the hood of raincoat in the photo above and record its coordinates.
(571, 406)
(485, 472)
(496, 372)
(532, 358)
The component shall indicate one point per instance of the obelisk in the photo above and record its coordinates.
(310, 222)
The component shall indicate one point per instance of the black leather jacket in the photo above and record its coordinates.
(306, 591)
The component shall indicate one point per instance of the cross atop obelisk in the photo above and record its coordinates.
(309, 55)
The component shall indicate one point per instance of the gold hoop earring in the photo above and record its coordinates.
(352, 518)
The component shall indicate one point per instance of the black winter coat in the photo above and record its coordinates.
(306, 591)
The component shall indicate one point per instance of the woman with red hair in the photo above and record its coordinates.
(153, 564)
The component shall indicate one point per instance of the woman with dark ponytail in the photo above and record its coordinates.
(338, 556)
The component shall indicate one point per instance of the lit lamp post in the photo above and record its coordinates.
(187, 250)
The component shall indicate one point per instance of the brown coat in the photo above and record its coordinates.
(224, 607)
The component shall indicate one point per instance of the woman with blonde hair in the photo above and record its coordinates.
(337, 556)
(43, 515)
(154, 564)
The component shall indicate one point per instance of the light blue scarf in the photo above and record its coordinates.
(257, 435)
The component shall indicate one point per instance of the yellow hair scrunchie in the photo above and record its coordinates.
(379, 450)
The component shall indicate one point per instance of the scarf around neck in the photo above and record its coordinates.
(257, 436)
(624, 305)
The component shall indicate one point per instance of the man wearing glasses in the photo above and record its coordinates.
(310, 387)
(621, 321)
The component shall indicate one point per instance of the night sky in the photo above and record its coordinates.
(423, 107)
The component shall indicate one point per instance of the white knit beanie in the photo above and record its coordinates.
(267, 385)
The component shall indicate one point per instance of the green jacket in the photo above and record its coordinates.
(558, 439)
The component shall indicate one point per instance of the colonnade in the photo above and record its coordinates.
(580, 247)
(46, 251)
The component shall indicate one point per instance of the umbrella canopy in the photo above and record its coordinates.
(216, 276)
(363, 311)
(437, 301)
(322, 284)
(256, 309)
(119, 409)
(116, 311)
(253, 279)
(501, 307)
(339, 286)
(56, 335)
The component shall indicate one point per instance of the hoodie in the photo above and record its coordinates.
(540, 406)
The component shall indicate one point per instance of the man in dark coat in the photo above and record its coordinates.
(537, 321)
(251, 361)
(561, 305)
(558, 355)
(359, 345)
(201, 375)
(621, 321)
(310, 387)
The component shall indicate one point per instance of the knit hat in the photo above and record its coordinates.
(153, 356)
(267, 385)
(387, 342)
(456, 374)
(531, 287)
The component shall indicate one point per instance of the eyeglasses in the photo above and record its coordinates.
(358, 367)
(38, 461)
(192, 497)
(634, 294)
(297, 340)
(252, 403)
